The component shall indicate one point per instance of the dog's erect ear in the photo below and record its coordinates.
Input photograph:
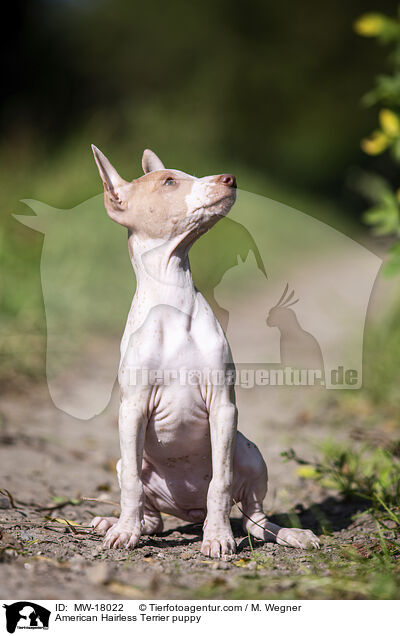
(151, 162)
(113, 184)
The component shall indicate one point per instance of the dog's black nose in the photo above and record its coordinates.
(229, 180)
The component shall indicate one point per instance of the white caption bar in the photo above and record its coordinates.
(174, 617)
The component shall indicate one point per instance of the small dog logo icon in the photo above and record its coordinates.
(26, 615)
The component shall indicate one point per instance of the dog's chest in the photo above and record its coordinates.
(170, 340)
(179, 420)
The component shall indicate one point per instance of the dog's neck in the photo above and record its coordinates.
(163, 275)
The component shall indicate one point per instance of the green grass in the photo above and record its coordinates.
(367, 472)
(368, 569)
(382, 365)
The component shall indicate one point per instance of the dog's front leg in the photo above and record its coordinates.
(132, 430)
(218, 538)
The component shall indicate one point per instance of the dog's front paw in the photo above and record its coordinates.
(102, 524)
(123, 534)
(217, 544)
(297, 538)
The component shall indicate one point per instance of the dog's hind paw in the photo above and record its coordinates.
(122, 535)
(102, 524)
(297, 538)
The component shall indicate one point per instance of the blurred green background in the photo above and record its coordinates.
(269, 91)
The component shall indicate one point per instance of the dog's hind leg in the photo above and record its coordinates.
(250, 487)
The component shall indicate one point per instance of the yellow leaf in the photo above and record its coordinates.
(57, 564)
(66, 522)
(130, 591)
(307, 472)
(242, 563)
(369, 25)
(390, 122)
(376, 143)
(39, 557)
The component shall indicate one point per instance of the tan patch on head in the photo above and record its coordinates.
(164, 203)
(159, 203)
(167, 203)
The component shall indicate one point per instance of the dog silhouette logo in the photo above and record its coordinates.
(26, 615)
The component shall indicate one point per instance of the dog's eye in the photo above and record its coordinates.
(169, 181)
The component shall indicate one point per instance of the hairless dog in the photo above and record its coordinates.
(181, 453)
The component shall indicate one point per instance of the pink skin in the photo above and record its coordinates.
(180, 450)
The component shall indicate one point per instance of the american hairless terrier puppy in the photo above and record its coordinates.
(180, 451)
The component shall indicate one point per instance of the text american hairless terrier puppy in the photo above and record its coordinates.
(181, 453)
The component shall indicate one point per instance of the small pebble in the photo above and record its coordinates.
(4, 503)
(25, 536)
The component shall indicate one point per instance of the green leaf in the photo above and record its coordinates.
(392, 266)
(383, 218)
(58, 500)
(372, 186)
(395, 150)
(387, 90)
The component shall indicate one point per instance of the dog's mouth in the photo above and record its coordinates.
(228, 197)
